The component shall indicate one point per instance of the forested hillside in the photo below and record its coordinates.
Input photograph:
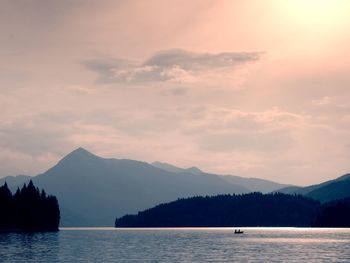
(254, 209)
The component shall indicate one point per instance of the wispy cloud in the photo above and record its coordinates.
(174, 65)
(322, 101)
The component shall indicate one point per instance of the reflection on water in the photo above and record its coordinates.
(178, 245)
(29, 247)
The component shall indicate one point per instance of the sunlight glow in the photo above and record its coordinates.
(316, 11)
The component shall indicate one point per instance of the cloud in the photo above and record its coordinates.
(200, 61)
(35, 137)
(267, 141)
(226, 120)
(322, 101)
(174, 65)
(79, 89)
(229, 130)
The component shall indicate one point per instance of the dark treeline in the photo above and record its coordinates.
(28, 210)
(334, 214)
(254, 209)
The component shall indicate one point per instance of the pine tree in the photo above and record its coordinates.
(28, 209)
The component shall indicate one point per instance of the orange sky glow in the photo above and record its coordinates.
(250, 88)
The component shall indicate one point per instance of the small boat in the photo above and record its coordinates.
(238, 231)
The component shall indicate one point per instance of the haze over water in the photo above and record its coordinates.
(178, 245)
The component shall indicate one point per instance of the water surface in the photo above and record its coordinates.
(178, 245)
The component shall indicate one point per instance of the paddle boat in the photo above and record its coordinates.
(238, 231)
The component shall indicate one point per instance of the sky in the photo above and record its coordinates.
(243, 87)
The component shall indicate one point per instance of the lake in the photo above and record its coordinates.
(178, 245)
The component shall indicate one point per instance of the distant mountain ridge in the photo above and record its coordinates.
(172, 168)
(15, 181)
(251, 184)
(92, 190)
(338, 188)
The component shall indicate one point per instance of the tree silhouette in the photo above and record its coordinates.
(28, 209)
(253, 209)
(334, 214)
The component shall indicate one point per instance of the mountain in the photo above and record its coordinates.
(15, 181)
(338, 188)
(92, 190)
(247, 210)
(333, 191)
(174, 169)
(254, 184)
(251, 184)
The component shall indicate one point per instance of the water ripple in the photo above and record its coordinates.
(178, 245)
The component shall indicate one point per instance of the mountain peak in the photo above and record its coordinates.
(194, 170)
(172, 168)
(81, 149)
(78, 154)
